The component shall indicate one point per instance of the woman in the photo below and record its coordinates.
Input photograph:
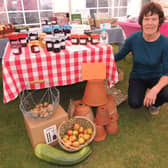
(149, 76)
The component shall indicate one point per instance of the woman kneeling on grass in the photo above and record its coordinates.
(148, 83)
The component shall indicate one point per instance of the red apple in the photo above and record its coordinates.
(80, 135)
(68, 143)
(72, 138)
(86, 136)
(76, 126)
(69, 132)
(75, 144)
(81, 129)
(65, 138)
(81, 141)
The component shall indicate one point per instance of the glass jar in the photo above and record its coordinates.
(62, 41)
(16, 48)
(35, 48)
(75, 39)
(13, 38)
(56, 29)
(83, 39)
(94, 38)
(53, 20)
(23, 39)
(56, 44)
(49, 42)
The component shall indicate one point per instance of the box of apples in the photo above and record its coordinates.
(76, 133)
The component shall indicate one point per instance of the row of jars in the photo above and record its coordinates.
(83, 39)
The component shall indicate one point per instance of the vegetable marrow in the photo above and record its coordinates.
(57, 156)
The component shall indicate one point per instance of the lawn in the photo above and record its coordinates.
(142, 141)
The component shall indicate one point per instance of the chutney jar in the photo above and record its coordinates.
(16, 48)
(49, 42)
(35, 48)
(23, 39)
(74, 39)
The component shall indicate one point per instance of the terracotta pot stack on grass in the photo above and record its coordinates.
(95, 95)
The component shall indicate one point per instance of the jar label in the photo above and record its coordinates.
(23, 41)
(57, 45)
(15, 50)
(36, 49)
(95, 40)
(63, 43)
(32, 37)
(82, 41)
(74, 40)
(49, 45)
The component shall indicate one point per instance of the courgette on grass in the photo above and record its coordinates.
(57, 156)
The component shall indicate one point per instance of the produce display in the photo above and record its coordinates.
(77, 136)
(56, 156)
(42, 110)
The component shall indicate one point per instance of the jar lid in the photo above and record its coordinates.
(94, 36)
(13, 36)
(74, 36)
(22, 35)
(83, 36)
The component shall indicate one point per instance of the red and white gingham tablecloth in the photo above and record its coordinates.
(55, 69)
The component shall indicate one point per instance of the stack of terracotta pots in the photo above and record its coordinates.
(106, 117)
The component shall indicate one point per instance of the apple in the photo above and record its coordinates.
(81, 129)
(81, 140)
(69, 132)
(80, 135)
(65, 138)
(72, 138)
(68, 143)
(75, 144)
(86, 136)
(75, 132)
(85, 131)
(76, 126)
(89, 131)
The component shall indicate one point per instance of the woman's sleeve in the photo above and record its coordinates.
(165, 61)
(124, 50)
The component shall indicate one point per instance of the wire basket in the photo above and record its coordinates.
(65, 125)
(39, 104)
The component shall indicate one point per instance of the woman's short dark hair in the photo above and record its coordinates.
(152, 8)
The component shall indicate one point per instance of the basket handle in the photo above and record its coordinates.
(36, 82)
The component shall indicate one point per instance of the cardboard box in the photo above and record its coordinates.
(112, 21)
(45, 131)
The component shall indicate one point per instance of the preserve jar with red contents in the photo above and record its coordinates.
(16, 48)
(35, 48)
(83, 39)
(75, 39)
(23, 39)
(94, 38)
(13, 38)
(49, 42)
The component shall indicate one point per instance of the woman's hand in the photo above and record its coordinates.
(150, 97)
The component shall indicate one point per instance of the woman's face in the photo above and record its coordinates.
(150, 23)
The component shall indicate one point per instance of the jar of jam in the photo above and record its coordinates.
(94, 38)
(83, 39)
(53, 20)
(62, 41)
(23, 39)
(33, 36)
(35, 48)
(56, 44)
(75, 39)
(16, 48)
(44, 21)
(13, 38)
(42, 40)
(49, 42)
(56, 29)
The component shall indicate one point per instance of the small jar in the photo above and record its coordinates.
(33, 36)
(62, 41)
(44, 22)
(16, 48)
(94, 38)
(23, 39)
(35, 48)
(56, 29)
(42, 40)
(53, 20)
(56, 44)
(83, 39)
(47, 29)
(75, 39)
(49, 42)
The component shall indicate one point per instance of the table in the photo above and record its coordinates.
(56, 69)
(3, 42)
(116, 35)
(131, 27)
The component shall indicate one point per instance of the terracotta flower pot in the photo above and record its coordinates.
(102, 116)
(84, 110)
(100, 133)
(112, 127)
(95, 93)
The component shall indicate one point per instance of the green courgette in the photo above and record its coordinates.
(57, 156)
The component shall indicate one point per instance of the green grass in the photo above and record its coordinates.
(142, 141)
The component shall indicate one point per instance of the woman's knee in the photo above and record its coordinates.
(134, 103)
